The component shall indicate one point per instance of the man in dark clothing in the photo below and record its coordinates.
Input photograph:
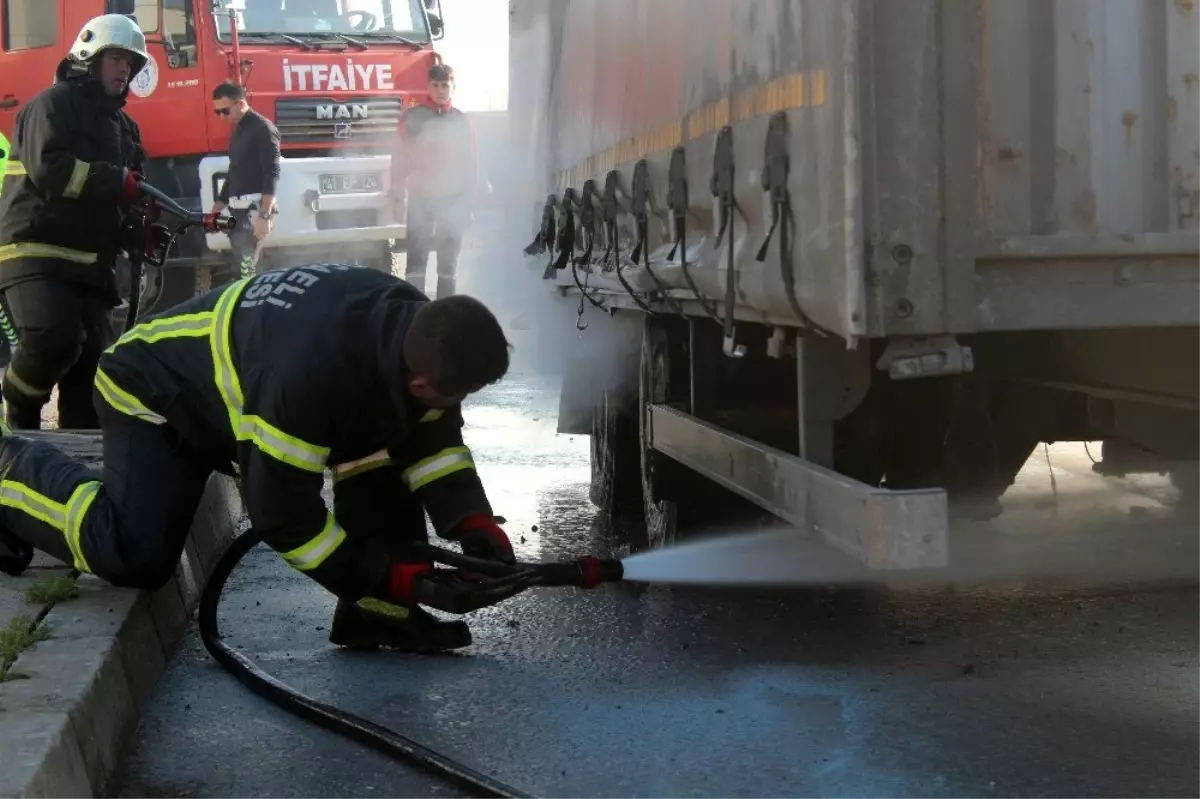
(436, 161)
(281, 376)
(252, 178)
(70, 179)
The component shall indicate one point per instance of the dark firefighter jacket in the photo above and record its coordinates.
(60, 210)
(288, 374)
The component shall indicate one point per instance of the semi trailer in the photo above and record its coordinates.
(853, 261)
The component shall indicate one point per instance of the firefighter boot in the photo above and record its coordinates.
(21, 411)
(15, 554)
(372, 623)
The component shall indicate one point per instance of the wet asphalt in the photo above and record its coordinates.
(1057, 658)
(1051, 685)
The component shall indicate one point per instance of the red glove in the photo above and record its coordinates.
(130, 190)
(399, 582)
(481, 537)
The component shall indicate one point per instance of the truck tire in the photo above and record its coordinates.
(970, 436)
(675, 500)
(661, 515)
(616, 487)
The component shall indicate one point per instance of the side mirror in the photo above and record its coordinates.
(433, 12)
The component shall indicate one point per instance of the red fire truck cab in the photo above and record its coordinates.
(333, 75)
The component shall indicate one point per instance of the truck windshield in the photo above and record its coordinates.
(374, 20)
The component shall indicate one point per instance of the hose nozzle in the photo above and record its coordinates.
(587, 571)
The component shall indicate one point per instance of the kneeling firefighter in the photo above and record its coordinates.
(72, 174)
(278, 378)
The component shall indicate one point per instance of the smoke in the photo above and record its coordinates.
(515, 156)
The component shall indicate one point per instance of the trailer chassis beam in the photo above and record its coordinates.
(885, 530)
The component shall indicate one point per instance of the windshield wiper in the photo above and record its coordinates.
(355, 42)
(284, 36)
(395, 37)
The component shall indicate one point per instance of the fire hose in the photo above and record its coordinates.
(471, 583)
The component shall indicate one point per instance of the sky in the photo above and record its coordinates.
(476, 45)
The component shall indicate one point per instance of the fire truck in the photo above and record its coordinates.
(333, 75)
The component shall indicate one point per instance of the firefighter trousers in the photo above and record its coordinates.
(126, 524)
(129, 524)
(433, 226)
(62, 328)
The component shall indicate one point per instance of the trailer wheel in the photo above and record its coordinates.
(616, 486)
(661, 515)
(970, 436)
(664, 380)
(608, 377)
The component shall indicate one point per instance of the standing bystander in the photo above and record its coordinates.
(249, 188)
(435, 180)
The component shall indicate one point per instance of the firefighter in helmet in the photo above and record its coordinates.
(72, 174)
(282, 377)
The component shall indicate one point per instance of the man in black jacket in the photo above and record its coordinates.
(251, 179)
(72, 174)
(282, 376)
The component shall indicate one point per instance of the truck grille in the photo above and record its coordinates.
(317, 120)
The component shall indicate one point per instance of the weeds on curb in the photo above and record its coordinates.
(22, 633)
(51, 589)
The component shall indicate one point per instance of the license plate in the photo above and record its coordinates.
(342, 184)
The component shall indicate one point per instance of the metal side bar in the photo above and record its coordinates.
(883, 529)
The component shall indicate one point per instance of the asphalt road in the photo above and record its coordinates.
(1051, 685)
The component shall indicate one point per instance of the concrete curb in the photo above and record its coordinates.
(62, 731)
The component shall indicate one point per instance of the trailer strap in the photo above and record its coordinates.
(677, 201)
(721, 186)
(775, 174)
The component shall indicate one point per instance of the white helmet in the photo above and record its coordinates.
(109, 32)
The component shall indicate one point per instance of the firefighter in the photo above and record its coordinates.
(435, 162)
(282, 376)
(73, 172)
